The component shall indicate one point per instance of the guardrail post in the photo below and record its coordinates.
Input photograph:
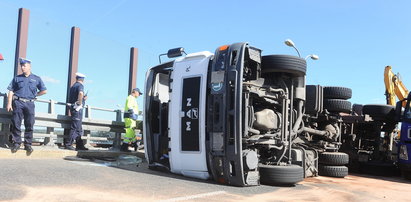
(5, 128)
(117, 138)
(87, 140)
(51, 107)
(49, 141)
(87, 132)
(88, 111)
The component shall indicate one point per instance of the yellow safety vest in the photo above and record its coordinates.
(131, 103)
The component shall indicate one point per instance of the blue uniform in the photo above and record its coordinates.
(74, 91)
(25, 90)
(76, 128)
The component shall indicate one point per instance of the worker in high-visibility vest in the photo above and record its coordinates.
(130, 117)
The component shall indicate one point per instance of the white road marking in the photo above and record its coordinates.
(183, 198)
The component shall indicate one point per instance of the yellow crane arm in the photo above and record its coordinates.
(394, 87)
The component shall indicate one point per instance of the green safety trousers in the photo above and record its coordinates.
(130, 136)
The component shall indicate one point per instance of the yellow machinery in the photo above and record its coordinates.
(394, 87)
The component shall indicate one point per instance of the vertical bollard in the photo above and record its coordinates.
(87, 133)
(117, 138)
(88, 111)
(49, 141)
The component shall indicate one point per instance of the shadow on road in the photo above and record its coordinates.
(142, 167)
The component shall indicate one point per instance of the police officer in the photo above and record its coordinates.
(76, 99)
(22, 93)
(130, 117)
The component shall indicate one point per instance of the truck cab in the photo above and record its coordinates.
(175, 115)
(234, 116)
(404, 145)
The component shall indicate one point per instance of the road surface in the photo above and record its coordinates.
(28, 179)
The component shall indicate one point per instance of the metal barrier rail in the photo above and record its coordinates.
(51, 120)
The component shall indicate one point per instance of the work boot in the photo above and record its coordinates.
(124, 148)
(15, 148)
(28, 149)
(69, 147)
(80, 144)
(81, 147)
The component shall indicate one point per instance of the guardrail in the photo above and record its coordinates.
(51, 120)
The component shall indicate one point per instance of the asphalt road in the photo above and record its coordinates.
(62, 180)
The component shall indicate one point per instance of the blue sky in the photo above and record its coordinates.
(354, 39)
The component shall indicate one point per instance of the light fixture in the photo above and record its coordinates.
(290, 43)
(313, 57)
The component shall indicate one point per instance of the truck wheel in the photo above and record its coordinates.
(333, 158)
(284, 63)
(336, 92)
(379, 111)
(281, 175)
(337, 105)
(332, 171)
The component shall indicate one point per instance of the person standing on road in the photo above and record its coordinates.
(22, 94)
(130, 117)
(76, 101)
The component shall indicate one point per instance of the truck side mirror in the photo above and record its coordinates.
(398, 111)
(175, 52)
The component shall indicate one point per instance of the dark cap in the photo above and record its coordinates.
(23, 61)
(138, 90)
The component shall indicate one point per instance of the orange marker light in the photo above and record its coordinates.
(225, 47)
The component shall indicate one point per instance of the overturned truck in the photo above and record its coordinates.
(240, 118)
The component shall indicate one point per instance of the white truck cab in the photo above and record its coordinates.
(234, 116)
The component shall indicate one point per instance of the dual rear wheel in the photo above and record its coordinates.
(332, 164)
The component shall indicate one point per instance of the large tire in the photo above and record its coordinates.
(336, 92)
(337, 105)
(380, 111)
(280, 175)
(332, 171)
(284, 63)
(333, 158)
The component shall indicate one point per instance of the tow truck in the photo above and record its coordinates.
(396, 88)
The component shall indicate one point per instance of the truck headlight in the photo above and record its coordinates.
(403, 152)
